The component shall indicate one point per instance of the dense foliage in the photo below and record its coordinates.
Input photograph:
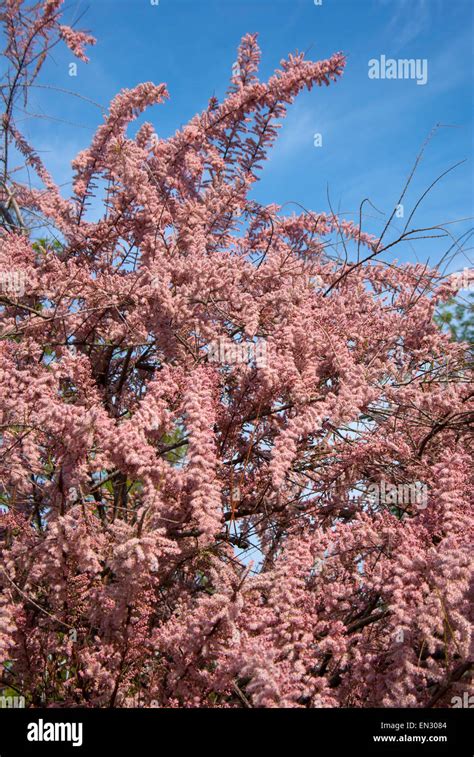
(234, 448)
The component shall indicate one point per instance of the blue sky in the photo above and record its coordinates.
(371, 129)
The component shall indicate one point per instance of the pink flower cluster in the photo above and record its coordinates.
(197, 534)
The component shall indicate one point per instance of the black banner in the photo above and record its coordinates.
(143, 732)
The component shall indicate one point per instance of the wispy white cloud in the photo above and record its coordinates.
(304, 120)
(410, 19)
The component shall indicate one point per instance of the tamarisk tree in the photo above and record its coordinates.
(183, 524)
